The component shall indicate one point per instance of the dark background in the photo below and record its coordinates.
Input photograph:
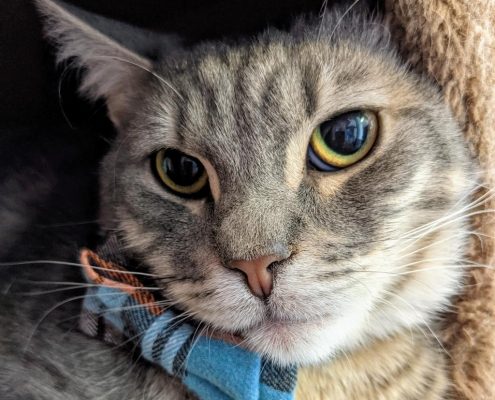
(29, 83)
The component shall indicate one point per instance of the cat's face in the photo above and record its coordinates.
(356, 259)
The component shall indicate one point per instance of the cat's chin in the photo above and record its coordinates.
(302, 343)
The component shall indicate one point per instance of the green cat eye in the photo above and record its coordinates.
(181, 174)
(342, 141)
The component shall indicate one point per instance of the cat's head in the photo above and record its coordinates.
(302, 189)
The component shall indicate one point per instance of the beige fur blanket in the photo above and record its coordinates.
(453, 41)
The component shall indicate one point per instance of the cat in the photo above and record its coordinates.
(304, 190)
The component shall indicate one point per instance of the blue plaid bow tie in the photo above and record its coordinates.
(118, 309)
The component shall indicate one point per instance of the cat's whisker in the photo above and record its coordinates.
(385, 301)
(73, 223)
(446, 267)
(9, 286)
(476, 202)
(418, 314)
(68, 67)
(70, 283)
(468, 207)
(160, 303)
(424, 260)
(457, 265)
(74, 287)
(112, 347)
(378, 275)
(173, 278)
(47, 313)
(195, 338)
(388, 303)
(164, 303)
(459, 234)
(180, 318)
(441, 222)
(429, 230)
(72, 264)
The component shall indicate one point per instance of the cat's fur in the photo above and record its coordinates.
(373, 255)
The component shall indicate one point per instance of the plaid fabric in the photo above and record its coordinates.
(118, 308)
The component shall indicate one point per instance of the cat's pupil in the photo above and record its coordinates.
(182, 169)
(347, 133)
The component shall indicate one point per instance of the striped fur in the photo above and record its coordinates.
(406, 366)
(376, 249)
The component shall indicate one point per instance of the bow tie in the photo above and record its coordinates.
(119, 309)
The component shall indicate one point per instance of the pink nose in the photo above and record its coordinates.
(259, 277)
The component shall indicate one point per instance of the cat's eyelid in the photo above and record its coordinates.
(213, 179)
(335, 113)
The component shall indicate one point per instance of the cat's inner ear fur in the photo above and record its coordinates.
(112, 70)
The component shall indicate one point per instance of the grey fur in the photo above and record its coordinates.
(247, 109)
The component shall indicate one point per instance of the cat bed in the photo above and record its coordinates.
(454, 43)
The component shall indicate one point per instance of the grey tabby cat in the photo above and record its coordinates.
(302, 189)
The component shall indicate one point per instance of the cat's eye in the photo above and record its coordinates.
(182, 174)
(342, 141)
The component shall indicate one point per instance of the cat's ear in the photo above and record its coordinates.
(113, 55)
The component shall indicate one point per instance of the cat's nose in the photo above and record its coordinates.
(259, 275)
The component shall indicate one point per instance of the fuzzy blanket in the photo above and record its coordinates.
(453, 41)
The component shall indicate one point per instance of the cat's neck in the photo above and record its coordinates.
(400, 367)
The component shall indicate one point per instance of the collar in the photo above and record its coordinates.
(118, 308)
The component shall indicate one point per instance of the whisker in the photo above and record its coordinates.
(401, 312)
(112, 348)
(422, 319)
(446, 267)
(68, 67)
(67, 224)
(72, 264)
(433, 226)
(470, 206)
(460, 233)
(51, 309)
(73, 287)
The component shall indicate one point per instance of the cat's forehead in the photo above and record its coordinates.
(252, 100)
(247, 92)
